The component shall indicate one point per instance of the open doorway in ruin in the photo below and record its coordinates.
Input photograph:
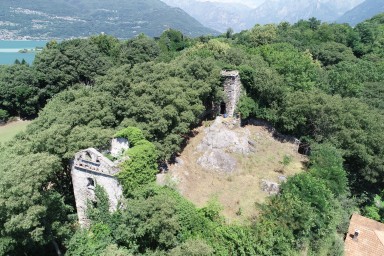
(223, 108)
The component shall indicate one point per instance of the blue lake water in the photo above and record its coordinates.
(9, 50)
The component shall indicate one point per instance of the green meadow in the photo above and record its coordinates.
(8, 131)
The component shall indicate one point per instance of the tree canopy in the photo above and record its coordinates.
(317, 81)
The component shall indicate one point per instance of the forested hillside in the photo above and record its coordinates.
(320, 82)
(42, 19)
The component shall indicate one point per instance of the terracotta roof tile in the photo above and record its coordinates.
(370, 241)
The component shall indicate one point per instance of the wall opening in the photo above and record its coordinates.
(88, 156)
(304, 149)
(91, 183)
(223, 108)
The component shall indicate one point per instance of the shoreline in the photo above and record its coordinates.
(19, 50)
(12, 50)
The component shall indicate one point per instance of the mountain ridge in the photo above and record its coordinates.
(291, 11)
(220, 15)
(215, 15)
(363, 11)
(22, 19)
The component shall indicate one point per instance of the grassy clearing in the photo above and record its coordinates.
(8, 131)
(239, 193)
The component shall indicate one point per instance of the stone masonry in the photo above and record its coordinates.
(91, 168)
(232, 88)
(118, 146)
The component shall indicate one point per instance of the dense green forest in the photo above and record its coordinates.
(322, 83)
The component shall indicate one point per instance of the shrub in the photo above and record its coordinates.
(3, 115)
(140, 168)
(132, 134)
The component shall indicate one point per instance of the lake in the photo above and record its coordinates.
(9, 50)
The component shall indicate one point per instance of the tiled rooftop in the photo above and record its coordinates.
(369, 242)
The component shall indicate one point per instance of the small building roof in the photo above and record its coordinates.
(369, 242)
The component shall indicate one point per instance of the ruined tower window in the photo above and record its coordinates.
(91, 183)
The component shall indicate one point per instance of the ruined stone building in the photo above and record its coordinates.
(232, 89)
(91, 168)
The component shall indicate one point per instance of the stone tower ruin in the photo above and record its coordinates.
(91, 168)
(232, 88)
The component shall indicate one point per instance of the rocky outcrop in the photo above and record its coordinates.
(220, 136)
(218, 144)
(217, 159)
(270, 187)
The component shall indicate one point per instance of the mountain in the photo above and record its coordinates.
(363, 11)
(216, 15)
(342, 6)
(220, 16)
(275, 11)
(80, 18)
(291, 10)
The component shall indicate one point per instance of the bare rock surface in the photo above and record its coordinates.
(270, 187)
(221, 139)
(218, 160)
(219, 136)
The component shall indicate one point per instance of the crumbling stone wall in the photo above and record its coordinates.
(91, 168)
(118, 146)
(232, 88)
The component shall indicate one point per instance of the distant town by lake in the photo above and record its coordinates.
(10, 50)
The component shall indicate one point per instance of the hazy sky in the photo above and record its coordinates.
(252, 3)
